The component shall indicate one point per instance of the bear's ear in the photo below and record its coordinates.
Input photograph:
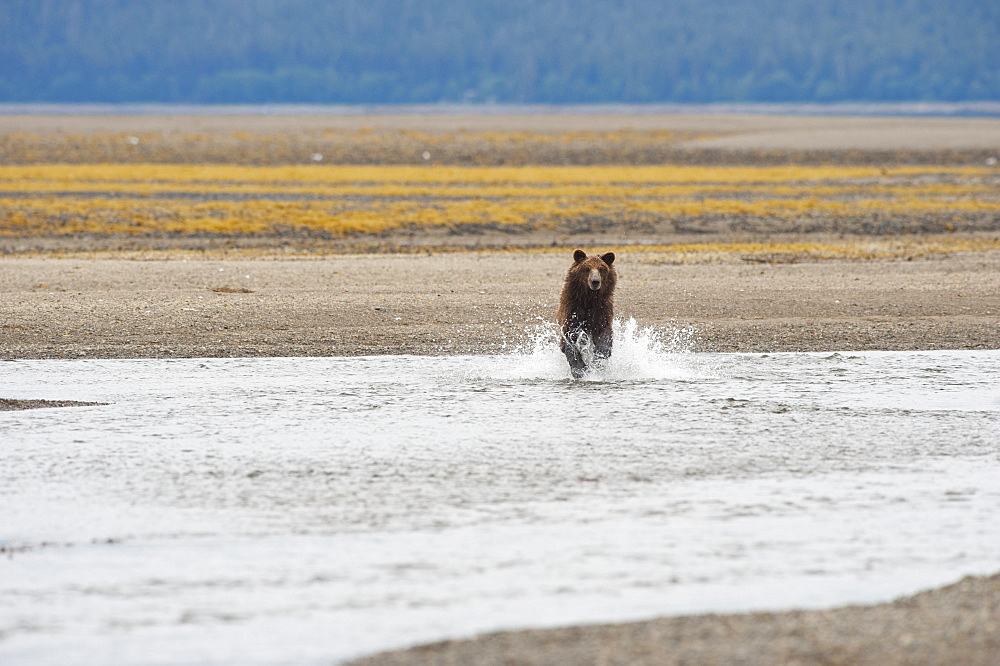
(608, 258)
(579, 256)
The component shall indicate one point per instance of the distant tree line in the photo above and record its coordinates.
(513, 51)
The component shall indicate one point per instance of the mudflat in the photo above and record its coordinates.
(498, 138)
(482, 302)
(725, 131)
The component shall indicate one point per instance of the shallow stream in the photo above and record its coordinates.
(308, 510)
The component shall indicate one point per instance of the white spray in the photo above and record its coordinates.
(639, 353)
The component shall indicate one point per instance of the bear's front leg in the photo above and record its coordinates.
(603, 343)
(574, 355)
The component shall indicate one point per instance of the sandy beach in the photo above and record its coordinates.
(472, 303)
(74, 297)
(957, 624)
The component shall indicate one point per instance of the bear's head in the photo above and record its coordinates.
(596, 272)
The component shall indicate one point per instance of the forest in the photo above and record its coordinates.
(482, 51)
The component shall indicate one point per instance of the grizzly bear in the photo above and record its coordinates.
(587, 308)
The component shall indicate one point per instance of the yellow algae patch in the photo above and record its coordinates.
(33, 217)
(399, 190)
(344, 200)
(552, 175)
(857, 249)
(64, 215)
(896, 247)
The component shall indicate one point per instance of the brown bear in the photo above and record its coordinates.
(587, 308)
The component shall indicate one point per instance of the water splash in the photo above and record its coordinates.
(645, 352)
(640, 353)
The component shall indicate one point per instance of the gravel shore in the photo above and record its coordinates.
(464, 303)
(957, 624)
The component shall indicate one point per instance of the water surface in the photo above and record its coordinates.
(309, 510)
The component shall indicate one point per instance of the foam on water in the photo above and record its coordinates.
(308, 510)
(639, 353)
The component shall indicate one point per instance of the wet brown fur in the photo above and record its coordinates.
(583, 310)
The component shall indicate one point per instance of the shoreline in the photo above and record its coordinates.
(483, 303)
(956, 623)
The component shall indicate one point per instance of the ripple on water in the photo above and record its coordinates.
(306, 510)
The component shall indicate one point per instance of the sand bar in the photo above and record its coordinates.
(462, 303)
(730, 131)
(654, 138)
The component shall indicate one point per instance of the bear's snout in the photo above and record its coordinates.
(595, 279)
